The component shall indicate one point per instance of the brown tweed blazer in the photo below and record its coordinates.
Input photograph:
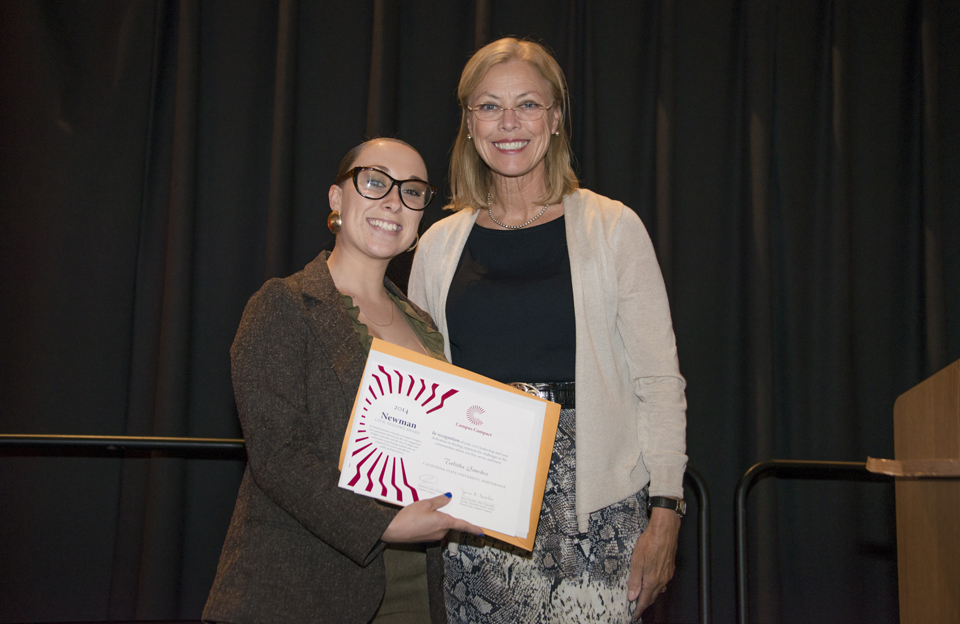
(299, 548)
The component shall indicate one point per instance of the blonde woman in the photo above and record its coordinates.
(536, 282)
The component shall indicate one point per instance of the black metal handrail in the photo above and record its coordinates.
(122, 446)
(787, 469)
(695, 482)
(234, 448)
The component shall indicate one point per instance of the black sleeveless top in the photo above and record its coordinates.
(510, 306)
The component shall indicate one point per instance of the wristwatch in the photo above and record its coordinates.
(676, 504)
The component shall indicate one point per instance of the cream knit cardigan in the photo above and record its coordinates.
(631, 408)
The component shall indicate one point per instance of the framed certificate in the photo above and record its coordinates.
(421, 427)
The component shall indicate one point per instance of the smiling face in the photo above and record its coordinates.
(378, 228)
(513, 148)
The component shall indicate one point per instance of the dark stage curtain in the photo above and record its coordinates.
(796, 164)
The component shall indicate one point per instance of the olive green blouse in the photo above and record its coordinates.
(405, 600)
(431, 339)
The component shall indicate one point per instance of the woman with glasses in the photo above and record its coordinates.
(557, 290)
(299, 548)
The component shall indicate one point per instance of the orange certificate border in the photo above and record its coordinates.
(551, 420)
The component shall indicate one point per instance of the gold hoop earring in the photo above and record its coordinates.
(415, 242)
(334, 222)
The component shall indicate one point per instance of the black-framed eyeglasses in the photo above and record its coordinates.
(528, 111)
(373, 183)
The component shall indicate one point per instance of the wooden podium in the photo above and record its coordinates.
(926, 425)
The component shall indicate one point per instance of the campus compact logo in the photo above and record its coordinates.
(473, 415)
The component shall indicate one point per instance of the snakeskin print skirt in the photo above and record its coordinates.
(569, 576)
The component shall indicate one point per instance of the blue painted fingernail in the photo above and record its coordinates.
(448, 495)
(481, 534)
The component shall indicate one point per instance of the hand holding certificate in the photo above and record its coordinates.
(421, 427)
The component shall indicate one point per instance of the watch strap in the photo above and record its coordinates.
(674, 504)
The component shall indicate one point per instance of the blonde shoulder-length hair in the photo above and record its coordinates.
(470, 177)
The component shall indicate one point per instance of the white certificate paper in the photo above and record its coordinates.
(421, 428)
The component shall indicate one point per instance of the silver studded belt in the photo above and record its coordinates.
(562, 392)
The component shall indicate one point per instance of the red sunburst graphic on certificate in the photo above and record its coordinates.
(473, 414)
(390, 407)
